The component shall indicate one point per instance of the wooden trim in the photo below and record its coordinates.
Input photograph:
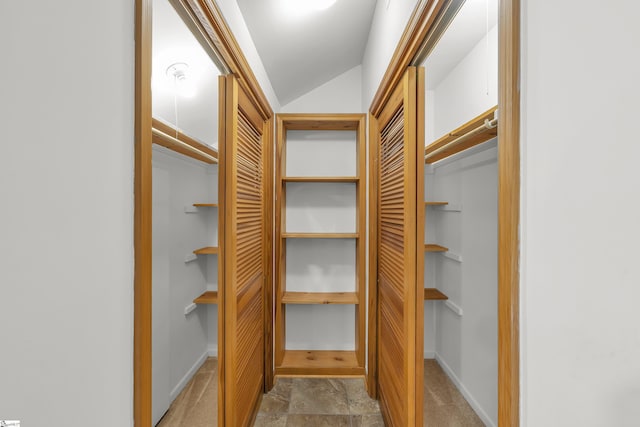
(372, 354)
(222, 259)
(298, 121)
(142, 219)
(508, 213)
(269, 253)
(214, 28)
(420, 23)
(320, 179)
(420, 225)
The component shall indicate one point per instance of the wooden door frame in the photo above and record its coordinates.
(421, 23)
(210, 27)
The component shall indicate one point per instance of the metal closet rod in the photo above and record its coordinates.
(488, 124)
(184, 145)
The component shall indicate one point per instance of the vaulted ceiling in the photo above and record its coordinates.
(302, 49)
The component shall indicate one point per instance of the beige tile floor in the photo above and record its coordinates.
(312, 402)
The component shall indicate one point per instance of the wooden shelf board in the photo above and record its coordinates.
(207, 250)
(172, 145)
(431, 247)
(434, 294)
(205, 205)
(320, 235)
(209, 297)
(296, 121)
(320, 179)
(319, 362)
(436, 203)
(486, 135)
(320, 298)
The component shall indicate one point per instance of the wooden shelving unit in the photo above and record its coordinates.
(207, 250)
(431, 247)
(314, 362)
(209, 297)
(434, 294)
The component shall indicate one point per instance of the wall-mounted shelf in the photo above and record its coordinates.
(209, 297)
(434, 294)
(319, 235)
(207, 250)
(169, 137)
(319, 362)
(319, 298)
(352, 179)
(205, 205)
(431, 247)
(436, 203)
(470, 134)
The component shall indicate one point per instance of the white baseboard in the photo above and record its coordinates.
(463, 390)
(187, 377)
(212, 351)
(429, 354)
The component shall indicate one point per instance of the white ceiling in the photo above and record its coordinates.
(301, 51)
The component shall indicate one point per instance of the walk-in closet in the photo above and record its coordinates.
(461, 218)
(185, 219)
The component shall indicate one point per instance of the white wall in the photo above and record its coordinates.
(342, 94)
(469, 89)
(389, 21)
(235, 21)
(580, 209)
(66, 222)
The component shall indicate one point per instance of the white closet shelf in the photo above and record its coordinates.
(320, 235)
(319, 362)
(207, 250)
(320, 179)
(432, 247)
(320, 298)
(209, 297)
(434, 294)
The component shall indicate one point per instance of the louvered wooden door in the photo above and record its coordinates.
(400, 265)
(245, 171)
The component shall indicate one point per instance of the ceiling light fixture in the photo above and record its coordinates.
(183, 85)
